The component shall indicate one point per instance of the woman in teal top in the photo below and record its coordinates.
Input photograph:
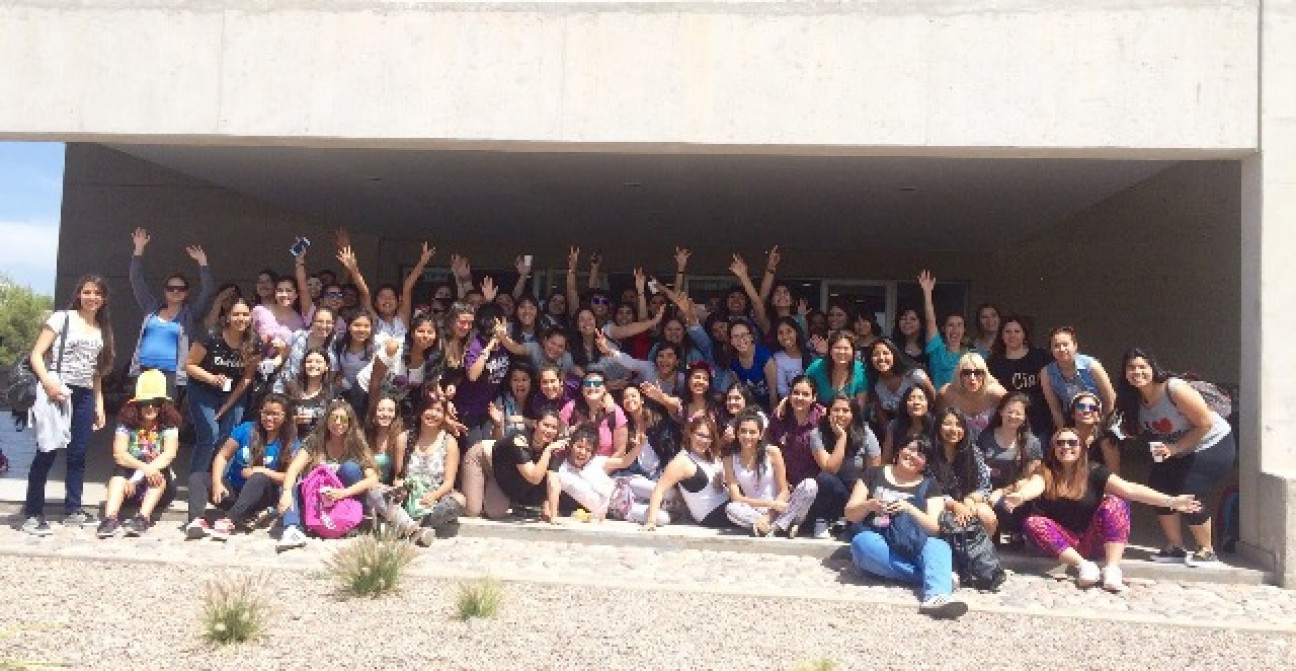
(839, 372)
(944, 343)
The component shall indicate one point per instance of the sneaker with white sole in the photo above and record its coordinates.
(108, 527)
(821, 529)
(292, 538)
(1171, 555)
(1113, 579)
(1204, 558)
(1088, 574)
(942, 607)
(222, 529)
(424, 536)
(197, 529)
(37, 526)
(80, 518)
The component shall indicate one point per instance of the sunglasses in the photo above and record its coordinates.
(150, 404)
(1066, 442)
(173, 288)
(599, 300)
(332, 294)
(972, 372)
(592, 384)
(1086, 407)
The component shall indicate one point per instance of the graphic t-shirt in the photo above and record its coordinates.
(146, 444)
(221, 359)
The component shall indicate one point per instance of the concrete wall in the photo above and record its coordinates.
(1036, 74)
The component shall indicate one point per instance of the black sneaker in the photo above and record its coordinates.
(1204, 559)
(80, 518)
(942, 607)
(1174, 555)
(136, 526)
(108, 527)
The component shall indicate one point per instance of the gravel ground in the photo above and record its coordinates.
(556, 627)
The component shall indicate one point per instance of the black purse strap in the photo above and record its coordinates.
(58, 363)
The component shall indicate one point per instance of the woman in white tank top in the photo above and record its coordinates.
(758, 486)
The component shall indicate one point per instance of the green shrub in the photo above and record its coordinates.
(479, 598)
(821, 664)
(235, 608)
(371, 565)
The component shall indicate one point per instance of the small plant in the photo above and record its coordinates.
(821, 664)
(371, 565)
(479, 598)
(235, 608)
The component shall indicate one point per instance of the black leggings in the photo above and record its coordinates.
(1196, 473)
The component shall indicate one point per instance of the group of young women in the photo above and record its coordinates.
(756, 413)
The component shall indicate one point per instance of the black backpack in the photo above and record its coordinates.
(975, 558)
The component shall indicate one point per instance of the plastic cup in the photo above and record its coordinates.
(1153, 447)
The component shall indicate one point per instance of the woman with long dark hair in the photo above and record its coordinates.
(1016, 364)
(891, 374)
(791, 358)
(353, 350)
(1080, 511)
(839, 372)
(72, 355)
(914, 419)
(145, 445)
(944, 338)
(400, 368)
(908, 336)
(220, 368)
(985, 332)
(1192, 448)
(1086, 416)
(312, 390)
(960, 471)
(486, 364)
(699, 473)
(248, 470)
(759, 496)
(1011, 452)
(596, 406)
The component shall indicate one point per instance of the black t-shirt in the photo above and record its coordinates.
(508, 453)
(1023, 375)
(879, 487)
(221, 359)
(1075, 514)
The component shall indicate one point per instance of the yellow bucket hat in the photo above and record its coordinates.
(151, 386)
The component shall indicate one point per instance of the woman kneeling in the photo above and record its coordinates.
(1080, 511)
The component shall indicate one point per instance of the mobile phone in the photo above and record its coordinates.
(526, 260)
(300, 246)
(652, 285)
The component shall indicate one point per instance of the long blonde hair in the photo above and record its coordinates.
(355, 447)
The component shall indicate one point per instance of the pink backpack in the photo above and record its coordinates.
(328, 519)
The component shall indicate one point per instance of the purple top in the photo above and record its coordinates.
(472, 397)
(795, 442)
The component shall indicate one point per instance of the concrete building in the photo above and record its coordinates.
(1112, 164)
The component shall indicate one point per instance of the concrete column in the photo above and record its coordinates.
(1268, 277)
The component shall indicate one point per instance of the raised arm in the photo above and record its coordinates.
(672, 404)
(635, 328)
(573, 293)
(641, 301)
(304, 305)
(207, 285)
(461, 269)
(928, 283)
(524, 274)
(139, 285)
(412, 280)
(346, 257)
(739, 268)
(682, 255)
(771, 267)
(596, 262)
(1184, 503)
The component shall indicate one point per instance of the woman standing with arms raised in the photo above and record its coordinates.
(944, 340)
(169, 324)
(73, 353)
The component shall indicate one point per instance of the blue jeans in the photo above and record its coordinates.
(204, 401)
(933, 570)
(349, 472)
(83, 416)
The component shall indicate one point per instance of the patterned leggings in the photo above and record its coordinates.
(1110, 524)
(798, 505)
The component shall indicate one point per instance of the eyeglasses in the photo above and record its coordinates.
(698, 435)
(592, 384)
(599, 300)
(271, 414)
(1066, 442)
(176, 289)
(914, 451)
(972, 372)
(1087, 407)
(741, 336)
(333, 294)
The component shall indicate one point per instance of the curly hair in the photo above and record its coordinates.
(168, 416)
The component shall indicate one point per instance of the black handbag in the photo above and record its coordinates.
(975, 559)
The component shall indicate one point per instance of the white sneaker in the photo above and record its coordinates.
(292, 538)
(197, 529)
(1113, 579)
(1089, 575)
(942, 607)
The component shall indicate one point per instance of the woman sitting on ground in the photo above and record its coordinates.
(879, 497)
(509, 408)
(960, 472)
(596, 406)
(974, 392)
(1086, 416)
(338, 443)
(497, 473)
(699, 472)
(386, 437)
(1011, 452)
(431, 464)
(583, 479)
(844, 446)
(248, 470)
(758, 486)
(1080, 512)
(146, 442)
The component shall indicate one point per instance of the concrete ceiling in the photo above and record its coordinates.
(847, 202)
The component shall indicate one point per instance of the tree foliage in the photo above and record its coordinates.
(22, 311)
